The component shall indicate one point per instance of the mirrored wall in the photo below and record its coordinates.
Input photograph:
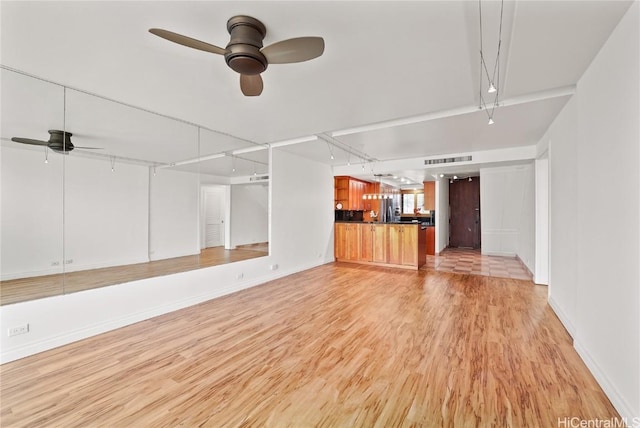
(131, 195)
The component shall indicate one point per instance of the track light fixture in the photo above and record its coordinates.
(493, 79)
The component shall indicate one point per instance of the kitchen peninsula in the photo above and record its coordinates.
(398, 244)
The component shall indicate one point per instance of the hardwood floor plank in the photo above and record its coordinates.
(338, 345)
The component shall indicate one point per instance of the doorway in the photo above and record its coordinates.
(464, 213)
(213, 216)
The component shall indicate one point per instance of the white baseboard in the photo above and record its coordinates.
(621, 405)
(34, 273)
(566, 322)
(497, 253)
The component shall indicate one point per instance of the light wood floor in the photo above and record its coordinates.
(340, 345)
(21, 290)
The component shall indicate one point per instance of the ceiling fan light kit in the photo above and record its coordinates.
(245, 54)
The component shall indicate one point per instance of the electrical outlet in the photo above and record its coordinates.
(273, 267)
(240, 275)
(55, 263)
(69, 261)
(19, 329)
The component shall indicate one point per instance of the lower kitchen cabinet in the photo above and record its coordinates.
(373, 242)
(397, 245)
(346, 242)
(403, 244)
(431, 241)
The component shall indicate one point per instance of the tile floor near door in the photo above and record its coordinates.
(469, 261)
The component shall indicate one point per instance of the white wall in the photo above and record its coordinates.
(249, 214)
(297, 243)
(507, 204)
(541, 273)
(174, 216)
(31, 228)
(595, 216)
(608, 300)
(442, 215)
(563, 214)
(106, 214)
(302, 218)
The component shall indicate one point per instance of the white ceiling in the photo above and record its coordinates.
(383, 61)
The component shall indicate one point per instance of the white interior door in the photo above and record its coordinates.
(214, 216)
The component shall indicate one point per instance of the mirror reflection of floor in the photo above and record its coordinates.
(21, 290)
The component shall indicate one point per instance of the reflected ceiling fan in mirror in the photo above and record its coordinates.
(59, 142)
(244, 52)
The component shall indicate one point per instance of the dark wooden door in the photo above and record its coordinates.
(464, 213)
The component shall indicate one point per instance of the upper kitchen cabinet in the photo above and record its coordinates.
(348, 193)
(430, 195)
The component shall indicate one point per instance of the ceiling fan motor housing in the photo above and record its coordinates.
(60, 140)
(244, 47)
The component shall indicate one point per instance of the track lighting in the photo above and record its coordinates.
(493, 79)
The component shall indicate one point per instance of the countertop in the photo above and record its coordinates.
(422, 224)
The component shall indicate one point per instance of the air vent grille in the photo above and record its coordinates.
(259, 178)
(447, 160)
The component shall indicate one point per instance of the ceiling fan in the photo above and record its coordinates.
(244, 52)
(59, 142)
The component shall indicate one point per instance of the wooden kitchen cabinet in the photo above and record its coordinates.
(340, 241)
(341, 192)
(397, 245)
(348, 191)
(430, 195)
(373, 242)
(431, 241)
(347, 242)
(403, 244)
(380, 243)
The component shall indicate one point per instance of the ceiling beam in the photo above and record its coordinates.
(442, 114)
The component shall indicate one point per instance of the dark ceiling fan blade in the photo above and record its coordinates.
(251, 85)
(298, 49)
(187, 41)
(30, 141)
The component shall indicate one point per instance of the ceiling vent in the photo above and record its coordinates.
(447, 160)
(259, 178)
